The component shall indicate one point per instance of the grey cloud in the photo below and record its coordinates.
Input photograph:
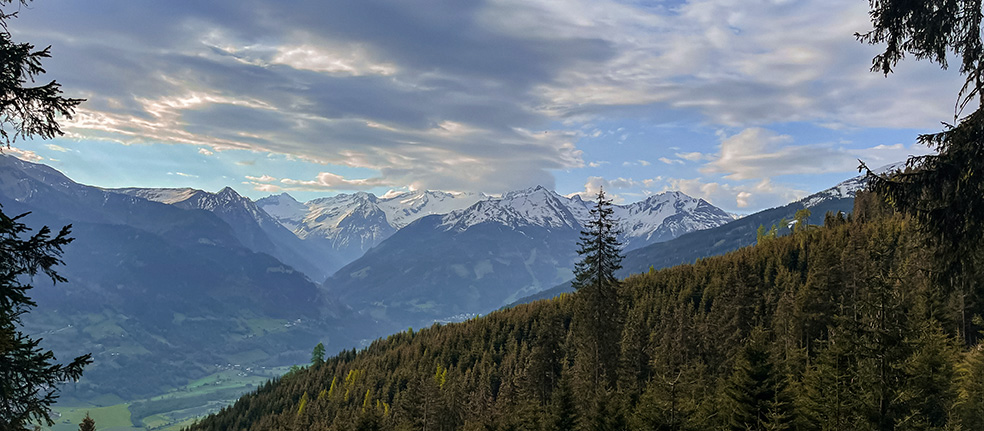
(204, 73)
(500, 70)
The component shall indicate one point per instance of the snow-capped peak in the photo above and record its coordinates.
(361, 218)
(403, 208)
(283, 207)
(163, 195)
(657, 218)
(535, 206)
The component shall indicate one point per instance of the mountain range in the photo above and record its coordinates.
(159, 293)
(742, 232)
(474, 260)
(253, 227)
(192, 278)
(345, 226)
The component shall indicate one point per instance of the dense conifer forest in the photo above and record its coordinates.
(825, 328)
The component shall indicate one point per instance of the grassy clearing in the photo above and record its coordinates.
(111, 418)
(104, 329)
(260, 327)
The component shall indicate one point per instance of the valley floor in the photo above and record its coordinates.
(167, 412)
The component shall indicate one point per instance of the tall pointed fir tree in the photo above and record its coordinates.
(597, 320)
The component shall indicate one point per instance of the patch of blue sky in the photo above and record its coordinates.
(109, 164)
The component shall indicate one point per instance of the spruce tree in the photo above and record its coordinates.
(87, 423)
(830, 392)
(596, 320)
(318, 354)
(929, 392)
(943, 191)
(755, 397)
(28, 374)
(969, 405)
(27, 111)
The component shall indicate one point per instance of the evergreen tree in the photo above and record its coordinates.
(27, 111)
(318, 354)
(941, 190)
(970, 390)
(929, 390)
(28, 374)
(829, 396)
(755, 396)
(87, 423)
(563, 412)
(596, 319)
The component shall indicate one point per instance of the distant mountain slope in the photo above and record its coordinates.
(739, 233)
(350, 224)
(492, 253)
(252, 226)
(665, 216)
(159, 294)
(715, 241)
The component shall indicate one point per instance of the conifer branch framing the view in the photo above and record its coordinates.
(942, 191)
(29, 377)
(27, 111)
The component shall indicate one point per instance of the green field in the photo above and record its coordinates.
(112, 418)
(167, 412)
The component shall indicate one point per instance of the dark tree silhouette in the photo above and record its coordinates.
(597, 321)
(87, 424)
(943, 191)
(28, 374)
(27, 110)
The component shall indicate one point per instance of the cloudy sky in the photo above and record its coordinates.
(746, 103)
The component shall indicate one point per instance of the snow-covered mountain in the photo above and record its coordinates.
(659, 217)
(252, 226)
(535, 206)
(497, 250)
(353, 223)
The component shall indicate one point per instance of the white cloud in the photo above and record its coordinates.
(595, 184)
(58, 148)
(28, 155)
(352, 60)
(330, 182)
(757, 153)
(205, 152)
(762, 194)
(261, 179)
(612, 187)
(744, 63)
(182, 174)
(669, 161)
(692, 156)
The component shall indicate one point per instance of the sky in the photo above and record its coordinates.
(748, 104)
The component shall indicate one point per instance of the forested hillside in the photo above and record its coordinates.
(834, 327)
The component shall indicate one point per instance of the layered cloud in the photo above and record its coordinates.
(477, 96)
(758, 153)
